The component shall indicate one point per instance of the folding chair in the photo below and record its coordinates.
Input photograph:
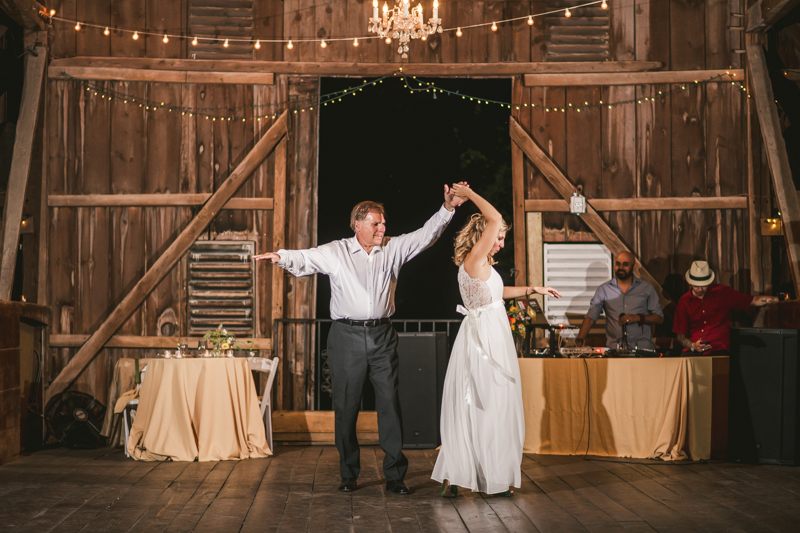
(260, 364)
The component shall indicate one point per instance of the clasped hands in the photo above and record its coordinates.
(624, 320)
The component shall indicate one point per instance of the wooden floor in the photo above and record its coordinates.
(101, 490)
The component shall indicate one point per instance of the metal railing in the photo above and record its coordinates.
(304, 382)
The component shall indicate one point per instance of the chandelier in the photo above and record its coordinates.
(404, 22)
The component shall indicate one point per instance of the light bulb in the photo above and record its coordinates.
(257, 46)
(374, 3)
(323, 44)
(530, 20)
(458, 32)
(106, 32)
(165, 40)
(136, 36)
(225, 44)
(77, 26)
(388, 40)
(568, 13)
(494, 26)
(52, 12)
(604, 5)
(290, 45)
(385, 8)
(194, 41)
(355, 41)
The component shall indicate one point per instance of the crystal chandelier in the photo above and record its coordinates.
(403, 23)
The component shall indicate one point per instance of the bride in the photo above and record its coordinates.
(482, 423)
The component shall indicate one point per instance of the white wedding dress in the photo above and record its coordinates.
(482, 423)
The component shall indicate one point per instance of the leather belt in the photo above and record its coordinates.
(365, 323)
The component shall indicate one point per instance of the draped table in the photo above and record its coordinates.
(667, 408)
(203, 408)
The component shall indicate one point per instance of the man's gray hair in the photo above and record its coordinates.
(362, 209)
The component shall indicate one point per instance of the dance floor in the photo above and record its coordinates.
(101, 490)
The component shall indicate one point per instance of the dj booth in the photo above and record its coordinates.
(670, 408)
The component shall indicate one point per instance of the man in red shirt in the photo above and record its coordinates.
(703, 315)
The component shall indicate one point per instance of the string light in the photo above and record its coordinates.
(257, 46)
(290, 45)
(226, 41)
(323, 44)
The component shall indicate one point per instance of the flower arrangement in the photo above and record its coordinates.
(520, 315)
(219, 342)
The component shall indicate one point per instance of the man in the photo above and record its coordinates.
(629, 303)
(703, 315)
(362, 341)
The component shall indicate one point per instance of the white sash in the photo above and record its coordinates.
(472, 334)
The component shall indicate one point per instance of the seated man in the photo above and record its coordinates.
(629, 303)
(703, 316)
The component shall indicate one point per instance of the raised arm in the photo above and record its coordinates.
(407, 246)
(476, 263)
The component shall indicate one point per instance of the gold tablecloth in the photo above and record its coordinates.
(197, 408)
(644, 408)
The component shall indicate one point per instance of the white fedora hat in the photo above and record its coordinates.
(700, 275)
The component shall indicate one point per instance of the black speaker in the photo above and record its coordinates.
(764, 396)
(423, 363)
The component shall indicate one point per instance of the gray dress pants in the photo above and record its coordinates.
(354, 352)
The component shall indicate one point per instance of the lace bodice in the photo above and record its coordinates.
(475, 292)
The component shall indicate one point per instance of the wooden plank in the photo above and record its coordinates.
(318, 421)
(162, 76)
(170, 256)
(629, 78)
(687, 35)
(60, 340)
(462, 69)
(643, 204)
(518, 198)
(153, 200)
(229, 509)
(279, 228)
(778, 158)
(763, 14)
(20, 166)
(25, 13)
(565, 187)
(191, 513)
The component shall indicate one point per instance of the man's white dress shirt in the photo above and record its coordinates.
(362, 285)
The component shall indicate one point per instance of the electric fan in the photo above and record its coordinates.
(75, 418)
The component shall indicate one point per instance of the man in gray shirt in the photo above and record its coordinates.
(629, 303)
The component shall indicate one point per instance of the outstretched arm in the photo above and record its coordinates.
(302, 262)
(519, 292)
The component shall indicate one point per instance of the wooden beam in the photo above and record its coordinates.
(630, 78)
(518, 225)
(777, 157)
(562, 184)
(161, 76)
(25, 13)
(643, 204)
(20, 166)
(763, 14)
(87, 67)
(134, 341)
(279, 228)
(152, 200)
(170, 257)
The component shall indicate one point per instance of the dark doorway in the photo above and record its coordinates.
(390, 146)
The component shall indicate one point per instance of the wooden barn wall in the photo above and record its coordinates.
(692, 143)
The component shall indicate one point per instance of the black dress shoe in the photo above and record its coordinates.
(398, 487)
(348, 484)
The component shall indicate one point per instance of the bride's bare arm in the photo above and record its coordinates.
(475, 263)
(519, 292)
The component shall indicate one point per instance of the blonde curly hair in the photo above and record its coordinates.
(469, 235)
